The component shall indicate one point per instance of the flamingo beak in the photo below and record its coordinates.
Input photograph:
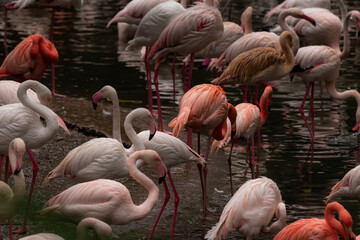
(95, 99)
(152, 128)
(62, 125)
(309, 19)
(356, 128)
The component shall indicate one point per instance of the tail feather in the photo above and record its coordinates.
(179, 122)
(217, 232)
(49, 209)
(333, 190)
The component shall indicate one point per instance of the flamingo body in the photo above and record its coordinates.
(251, 209)
(29, 59)
(20, 4)
(8, 93)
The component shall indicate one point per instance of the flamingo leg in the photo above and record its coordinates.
(173, 74)
(35, 171)
(156, 82)
(301, 110)
(148, 79)
(177, 200)
(166, 200)
(5, 32)
(256, 101)
(184, 75)
(189, 137)
(204, 168)
(230, 172)
(312, 110)
(10, 230)
(190, 72)
(244, 91)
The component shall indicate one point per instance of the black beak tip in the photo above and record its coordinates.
(151, 136)
(94, 106)
(16, 172)
(313, 23)
(161, 179)
(233, 134)
(269, 108)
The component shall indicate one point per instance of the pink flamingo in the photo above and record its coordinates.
(297, 4)
(149, 30)
(101, 230)
(29, 59)
(347, 186)
(320, 229)
(264, 39)
(108, 200)
(327, 30)
(251, 209)
(321, 63)
(22, 120)
(11, 199)
(249, 119)
(205, 107)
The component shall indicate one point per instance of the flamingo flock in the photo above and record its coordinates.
(100, 198)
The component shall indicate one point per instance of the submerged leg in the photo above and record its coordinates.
(148, 79)
(301, 110)
(190, 72)
(177, 200)
(230, 172)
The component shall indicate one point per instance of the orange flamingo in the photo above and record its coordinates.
(321, 229)
(204, 106)
(251, 209)
(250, 118)
(260, 64)
(29, 59)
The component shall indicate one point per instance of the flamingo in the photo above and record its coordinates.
(205, 107)
(327, 30)
(22, 120)
(251, 209)
(188, 33)
(259, 65)
(321, 63)
(149, 30)
(249, 119)
(54, 4)
(320, 229)
(297, 4)
(102, 157)
(265, 39)
(29, 59)
(347, 186)
(11, 199)
(108, 200)
(102, 230)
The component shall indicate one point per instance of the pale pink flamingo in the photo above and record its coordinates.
(29, 59)
(53, 4)
(297, 4)
(250, 210)
(320, 229)
(11, 199)
(321, 63)
(204, 107)
(108, 200)
(101, 229)
(264, 39)
(327, 30)
(249, 119)
(347, 186)
(259, 65)
(22, 120)
(149, 30)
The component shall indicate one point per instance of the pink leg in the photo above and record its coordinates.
(301, 110)
(173, 74)
(312, 110)
(190, 72)
(166, 200)
(10, 230)
(253, 150)
(204, 177)
(156, 82)
(177, 200)
(35, 171)
(189, 137)
(148, 79)
(230, 172)
(256, 101)
(245, 89)
(184, 75)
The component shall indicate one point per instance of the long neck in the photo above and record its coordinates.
(280, 216)
(144, 209)
(116, 117)
(333, 222)
(19, 179)
(50, 117)
(103, 231)
(285, 27)
(289, 56)
(343, 9)
(130, 132)
(330, 86)
(346, 48)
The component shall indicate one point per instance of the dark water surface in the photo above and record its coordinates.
(91, 56)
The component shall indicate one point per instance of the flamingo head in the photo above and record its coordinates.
(105, 92)
(153, 159)
(297, 13)
(17, 148)
(45, 97)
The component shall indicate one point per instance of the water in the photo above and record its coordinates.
(91, 56)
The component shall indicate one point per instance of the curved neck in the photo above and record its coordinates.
(330, 86)
(145, 208)
(285, 27)
(116, 117)
(19, 179)
(130, 132)
(346, 48)
(333, 222)
(103, 230)
(246, 20)
(289, 56)
(280, 214)
(343, 10)
(50, 117)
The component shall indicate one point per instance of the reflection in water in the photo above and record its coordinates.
(92, 56)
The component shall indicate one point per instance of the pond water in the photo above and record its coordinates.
(91, 56)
